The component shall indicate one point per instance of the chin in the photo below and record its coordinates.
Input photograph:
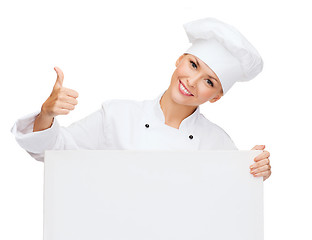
(178, 98)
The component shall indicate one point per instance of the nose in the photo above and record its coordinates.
(193, 80)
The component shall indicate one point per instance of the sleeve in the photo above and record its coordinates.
(87, 133)
(228, 143)
(222, 140)
(214, 137)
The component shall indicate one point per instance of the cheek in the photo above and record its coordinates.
(203, 94)
(174, 78)
(202, 88)
(177, 74)
(206, 93)
(183, 70)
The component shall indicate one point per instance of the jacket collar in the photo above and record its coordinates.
(187, 125)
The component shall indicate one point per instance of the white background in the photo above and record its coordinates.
(127, 50)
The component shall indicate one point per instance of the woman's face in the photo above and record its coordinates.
(193, 82)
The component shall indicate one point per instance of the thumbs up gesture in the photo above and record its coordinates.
(61, 101)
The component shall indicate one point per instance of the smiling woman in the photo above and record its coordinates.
(195, 80)
(218, 57)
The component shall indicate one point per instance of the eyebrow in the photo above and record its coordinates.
(207, 74)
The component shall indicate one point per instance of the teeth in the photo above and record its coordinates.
(183, 88)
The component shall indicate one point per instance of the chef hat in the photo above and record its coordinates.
(224, 49)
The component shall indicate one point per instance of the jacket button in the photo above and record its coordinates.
(146, 125)
(191, 136)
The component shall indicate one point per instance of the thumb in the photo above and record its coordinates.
(258, 147)
(59, 79)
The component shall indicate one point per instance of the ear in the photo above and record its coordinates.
(216, 98)
(179, 60)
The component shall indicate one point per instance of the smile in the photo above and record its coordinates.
(184, 90)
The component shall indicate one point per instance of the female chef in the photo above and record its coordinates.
(218, 57)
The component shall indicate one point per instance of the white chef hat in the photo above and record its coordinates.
(224, 49)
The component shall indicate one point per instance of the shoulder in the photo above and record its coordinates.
(215, 135)
(210, 126)
(122, 107)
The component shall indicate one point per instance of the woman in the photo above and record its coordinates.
(219, 56)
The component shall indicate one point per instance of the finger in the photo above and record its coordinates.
(70, 100)
(264, 174)
(260, 163)
(260, 169)
(57, 110)
(63, 112)
(67, 106)
(59, 78)
(264, 154)
(70, 92)
(258, 147)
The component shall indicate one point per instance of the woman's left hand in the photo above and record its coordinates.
(261, 167)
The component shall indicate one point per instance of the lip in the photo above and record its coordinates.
(185, 88)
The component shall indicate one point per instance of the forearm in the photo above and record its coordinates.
(42, 122)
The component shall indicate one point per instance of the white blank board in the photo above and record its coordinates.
(149, 195)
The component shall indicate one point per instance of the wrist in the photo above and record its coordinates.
(42, 122)
(44, 116)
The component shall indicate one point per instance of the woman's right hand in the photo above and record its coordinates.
(60, 102)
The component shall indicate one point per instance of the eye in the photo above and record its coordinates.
(210, 82)
(193, 64)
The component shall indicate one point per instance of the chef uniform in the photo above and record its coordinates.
(140, 125)
(123, 124)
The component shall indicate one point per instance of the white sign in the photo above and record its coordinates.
(149, 195)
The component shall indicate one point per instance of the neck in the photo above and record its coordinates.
(174, 113)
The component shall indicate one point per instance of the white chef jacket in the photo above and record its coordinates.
(123, 124)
